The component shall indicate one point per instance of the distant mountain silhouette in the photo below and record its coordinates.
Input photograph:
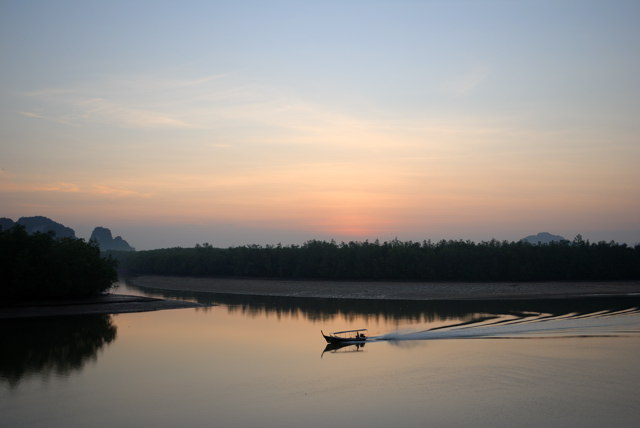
(543, 238)
(44, 225)
(102, 236)
(6, 223)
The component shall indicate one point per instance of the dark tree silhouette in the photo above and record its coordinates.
(396, 260)
(41, 266)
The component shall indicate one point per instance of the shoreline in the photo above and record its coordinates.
(358, 290)
(103, 304)
(391, 290)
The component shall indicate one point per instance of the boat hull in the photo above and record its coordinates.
(342, 340)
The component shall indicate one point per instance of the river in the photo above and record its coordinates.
(261, 362)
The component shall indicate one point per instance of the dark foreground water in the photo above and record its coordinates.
(261, 362)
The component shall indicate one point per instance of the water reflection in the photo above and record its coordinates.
(342, 348)
(413, 311)
(184, 367)
(51, 346)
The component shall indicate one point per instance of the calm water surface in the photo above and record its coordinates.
(261, 362)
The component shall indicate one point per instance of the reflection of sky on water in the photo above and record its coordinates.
(258, 363)
(433, 313)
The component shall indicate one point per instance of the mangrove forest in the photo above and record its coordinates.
(446, 260)
(41, 266)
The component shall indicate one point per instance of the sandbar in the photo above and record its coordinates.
(103, 304)
(389, 290)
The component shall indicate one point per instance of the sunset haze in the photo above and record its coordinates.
(176, 123)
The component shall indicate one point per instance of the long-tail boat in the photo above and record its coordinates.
(346, 336)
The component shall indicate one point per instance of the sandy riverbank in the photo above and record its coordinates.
(390, 290)
(104, 304)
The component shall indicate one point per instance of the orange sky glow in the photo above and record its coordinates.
(431, 121)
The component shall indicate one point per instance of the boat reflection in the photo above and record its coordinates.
(342, 348)
(46, 347)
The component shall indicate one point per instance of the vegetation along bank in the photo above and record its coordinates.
(41, 266)
(576, 260)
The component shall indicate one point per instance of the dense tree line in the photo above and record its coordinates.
(40, 266)
(396, 260)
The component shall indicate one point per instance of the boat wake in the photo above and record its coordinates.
(532, 324)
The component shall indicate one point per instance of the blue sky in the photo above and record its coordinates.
(265, 122)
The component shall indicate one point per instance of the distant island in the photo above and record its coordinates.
(39, 224)
(102, 236)
(543, 238)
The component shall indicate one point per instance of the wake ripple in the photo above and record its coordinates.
(527, 324)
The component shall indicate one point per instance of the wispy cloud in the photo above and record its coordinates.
(189, 82)
(216, 102)
(103, 110)
(58, 187)
(31, 114)
(102, 189)
(10, 184)
(129, 102)
(466, 82)
(47, 92)
(213, 102)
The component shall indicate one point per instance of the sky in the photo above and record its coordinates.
(255, 122)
